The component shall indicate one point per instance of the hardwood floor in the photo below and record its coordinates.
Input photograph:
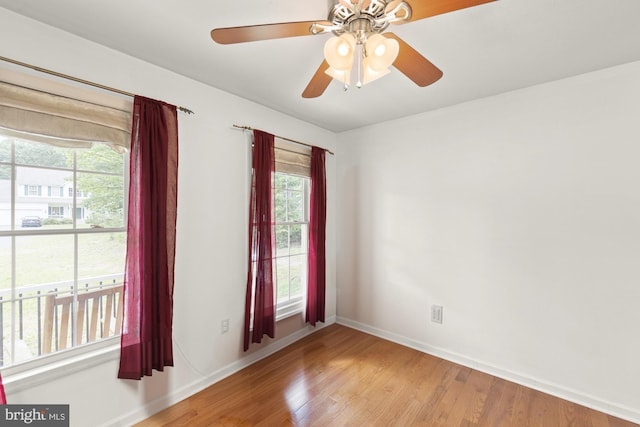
(342, 377)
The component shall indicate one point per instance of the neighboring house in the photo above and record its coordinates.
(43, 193)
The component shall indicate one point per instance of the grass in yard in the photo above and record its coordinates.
(48, 259)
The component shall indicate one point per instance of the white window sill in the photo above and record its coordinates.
(48, 368)
(289, 310)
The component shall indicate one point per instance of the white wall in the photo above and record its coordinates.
(211, 229)
(520, 215)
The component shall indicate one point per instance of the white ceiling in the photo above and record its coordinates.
(483, 50)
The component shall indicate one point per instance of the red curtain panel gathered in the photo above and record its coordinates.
(259, 316)
(316, 282)
(3, 397)
(146, 341)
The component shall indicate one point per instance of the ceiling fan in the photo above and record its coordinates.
(359, 53)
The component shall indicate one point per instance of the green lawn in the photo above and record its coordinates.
(47, 259)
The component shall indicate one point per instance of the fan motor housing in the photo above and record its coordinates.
(343, 17)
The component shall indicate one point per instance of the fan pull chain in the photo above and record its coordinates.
(359, 70)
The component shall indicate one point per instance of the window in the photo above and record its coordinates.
(55, 191)
(32, 190)
(56, 211)
(291, 213)
(73, 264)
(291, 228)
(61, 255)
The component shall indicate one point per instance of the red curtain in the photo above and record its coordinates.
(317, 232)
(3, 397)
(146, 341)
(260, 300)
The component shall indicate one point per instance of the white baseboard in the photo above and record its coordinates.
(194, 387)
(574, 396)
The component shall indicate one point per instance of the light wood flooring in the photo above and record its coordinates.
(341, 377)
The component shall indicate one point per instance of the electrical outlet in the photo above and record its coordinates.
(224, 326)
(436, 314)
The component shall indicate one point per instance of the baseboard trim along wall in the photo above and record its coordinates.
(194, 387)
(543, 386)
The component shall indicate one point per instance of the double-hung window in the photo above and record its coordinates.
(291, 212)
(61, 255)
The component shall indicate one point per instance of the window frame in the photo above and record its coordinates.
(43, 369)
(75, 352)
(293, 305)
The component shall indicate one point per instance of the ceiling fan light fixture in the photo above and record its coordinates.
(343, 76)
(338, 51)
(370, 74)
(381, 52)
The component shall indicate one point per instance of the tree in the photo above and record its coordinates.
(104, 190)
(31, 153)
(5, 156)
(289, 208)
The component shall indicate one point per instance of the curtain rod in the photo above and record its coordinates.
(282, 137)
(76, 79)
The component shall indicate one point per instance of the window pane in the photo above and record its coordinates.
(39, 154)
(100, 158)
(280, 205)
(297, 244)
(6, 355)
(5, 301)
(100, 270)
(295, 182)
(282, 240)
(5, 263)
(281, 180)
(5, 197)
(297, 274)
(44, 259)
(102, 198)
(294, 206)
(282, 274)
(40, 198)
(44, 265)
(101, 255)
(5, 149)
(291, 237)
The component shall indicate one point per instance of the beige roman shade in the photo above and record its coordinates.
(61, 120)
(292, 158)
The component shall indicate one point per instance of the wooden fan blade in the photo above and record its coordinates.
(421, 9)
(413, 65)
(252, 33)
(346, 3)
(319, 82)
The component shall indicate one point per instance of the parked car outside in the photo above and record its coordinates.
(31, 221)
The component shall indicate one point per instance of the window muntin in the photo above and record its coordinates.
(32, 190)
(291, 228)
(69, 254)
